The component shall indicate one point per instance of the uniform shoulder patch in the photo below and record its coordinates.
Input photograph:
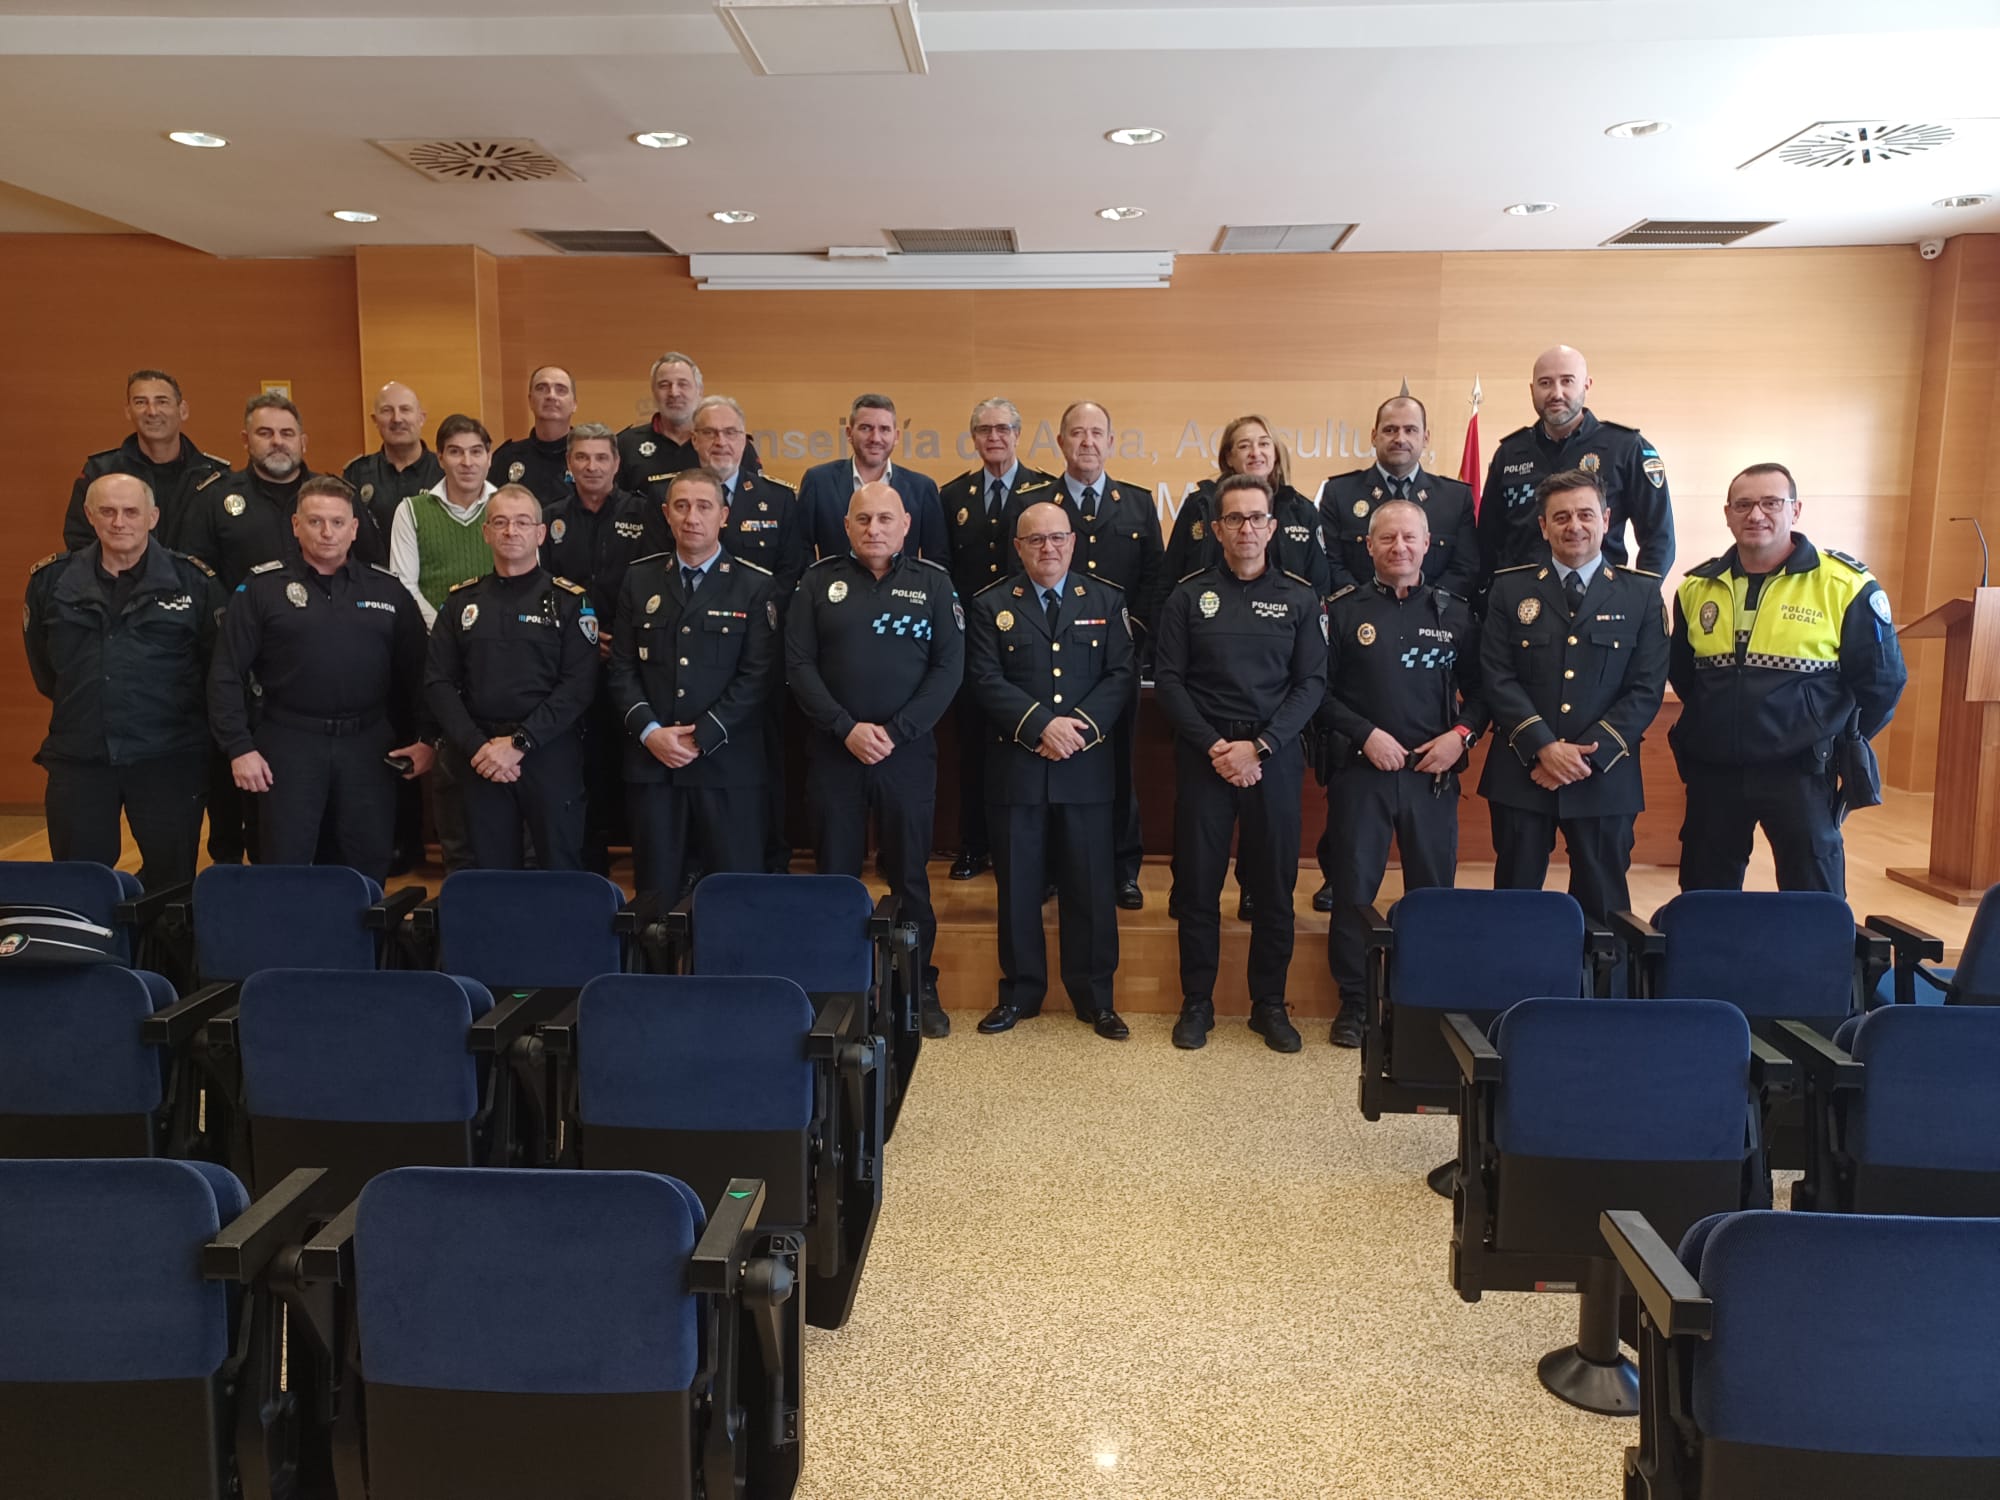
(1448, 594)
(564, 583)
(778, 484)
(267, 567)
(744, 562)
(468, 583)
(1033, 486)
(1342, 592)
(52, 557)
(204, 567)
(1851, 561)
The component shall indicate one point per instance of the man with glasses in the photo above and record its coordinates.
(981, 512)
(513, 665)
(1049, 658)
(1786, 662)
(1241, 668)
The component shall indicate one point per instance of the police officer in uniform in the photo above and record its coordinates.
(1568, 435)
(690, 672)
(1247, 447)
(119, 636)
(156, 450)
(874, 649)
(403, 466)
(1573, 663)
(1241, 667)
(977, 505)
(335, 649)
(653, 451)
(541, 459)
(512, 667)
(1346, 501)
(1049, 655)
(1403, 705)
(1787, 664)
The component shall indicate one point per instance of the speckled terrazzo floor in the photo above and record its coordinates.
(1108, 1270)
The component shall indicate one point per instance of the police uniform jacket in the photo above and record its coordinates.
(826, 490)
(127, 681)
(1122, 546)
(382, 486)
(1408, 666)
(862, 649)
(1595, 677)
(174, 485)
(982, 546)
(512, 655)
(1774, 676)
(1635, 489)
(543, 467)
(704, 661)
(1348, 501)
(1234, 654)
(1024, 676)
(244, 519)
(342, 645)
(648, 459)
(764, 526)
(1294, 547)
(594, 547)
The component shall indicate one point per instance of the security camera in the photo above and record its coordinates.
(1930, 249)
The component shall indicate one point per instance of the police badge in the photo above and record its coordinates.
(1197, 532)
(1209, 602)
(1528, 611)
(587, 623)
(964, 515)
(467, 616)
(648, 448)
(1366, 634)
(558, 528)
(653, 604)
(515, 470)
(367, 493)
(233, 504)
(296, 592)
(958, 614)
(1589, 463)
(836, 591)
(1005, 619)
(771, 612)
(1361, 506)
(1710, 613)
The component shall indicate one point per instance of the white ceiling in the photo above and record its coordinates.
(1419, 121)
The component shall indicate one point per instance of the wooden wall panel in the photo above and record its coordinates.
(430, 318)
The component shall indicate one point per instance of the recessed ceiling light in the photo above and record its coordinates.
(661, 140)
(199, 138)
(1135, 135)
(733, 216)
(1627, 130)
(1125, 212)
(1964, 200)
(1525, 210)
(353, 216)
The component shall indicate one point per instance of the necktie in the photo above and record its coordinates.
(1574, 588)
(1051, 606)
(1399, 489)
(690, 580)
(995, 498)
(1090, 502)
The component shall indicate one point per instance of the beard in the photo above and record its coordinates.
(278, 466)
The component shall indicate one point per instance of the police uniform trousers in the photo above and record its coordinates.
(547, 800)
(1600, 854)
(1206, 810)
(902, 793)
(974, 731)
(604, 805)
(783, 723)
(676, 828)
(162, 799)
(232, 826)
(1070, 841)
(1364, 807)
(1792, 802)
(331, 796)
(1128, 842)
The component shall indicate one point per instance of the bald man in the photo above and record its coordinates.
(1567, 434)
(404, 465)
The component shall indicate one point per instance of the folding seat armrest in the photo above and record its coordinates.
(1770, 1068)
(882, 921)
(329, 1255)
(1873, 946)
(1478, 1061)
(424, 919)
(1828, 1067)
(243, 1247)
(1671, 1297)
(1381, 936)
(148, 907)
(1911, 944)
(718, 1258)
(558, 1033)
(220, 1032)
(393, 909)
(514, 1016)
(177, 1024)
(677, 922)
(1637, 934)
(832, 1026)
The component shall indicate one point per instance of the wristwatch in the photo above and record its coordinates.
(522, 741)
(1263, 748)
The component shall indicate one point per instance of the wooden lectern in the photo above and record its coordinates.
(1965, 812)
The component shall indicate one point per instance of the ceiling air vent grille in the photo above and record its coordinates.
(954, 241)
(1281, 239)
(1691, 232)
(474, 160)
(1861, 143)
(603, 241)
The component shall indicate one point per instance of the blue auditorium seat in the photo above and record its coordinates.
(1975, 980)
(111, 898)
(1776, 955)
(523, 929)
(252, 917)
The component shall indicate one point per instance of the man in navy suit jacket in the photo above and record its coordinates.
(827, 488)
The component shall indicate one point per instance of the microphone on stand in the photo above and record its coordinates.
(1985, 558)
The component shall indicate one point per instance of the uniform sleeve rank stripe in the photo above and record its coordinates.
(1295, 577)
(1342, 592)
(1091, 722)
(1536, 719)
(1024, 719)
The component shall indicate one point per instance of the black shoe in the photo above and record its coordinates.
(1130, 897)
(1243, 908)
(1323, 897)
(1192, 1029)
(1276, 1028)
(969, 864)
(1110, 1025)
(1048, 894)
(1348, 1027)
(1001, 1018)
(932, 1020)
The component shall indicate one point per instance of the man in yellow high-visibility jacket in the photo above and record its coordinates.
(1780, 652)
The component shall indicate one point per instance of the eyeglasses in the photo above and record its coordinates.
(1047, 538)
(994, 429)
(1237, 521)
(511, 523)
(1770, 505)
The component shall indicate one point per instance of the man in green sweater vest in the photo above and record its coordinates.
(435, 540)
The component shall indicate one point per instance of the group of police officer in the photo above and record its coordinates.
(605, 639)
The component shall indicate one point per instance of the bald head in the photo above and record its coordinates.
(877, 525)
(121, 511)
(1560, 383)
(399, 417)
(1045, 542)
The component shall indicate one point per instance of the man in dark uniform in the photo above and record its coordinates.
(541, 459)
(1241, 667)
(157, 451)
(1568, 435)
(1404, 707)
(690, 670)
(1573, 663)
(1787, 665)
(824, 489)
(403, 466)
(651, 452)
(874, 648)
(335, 648)
(976, 508)
(119, 636)
(1346, 501)
(1118, 540)
(1049, 655)
(513, 666)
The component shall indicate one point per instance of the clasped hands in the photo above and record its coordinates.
(1434, 756)
(1560, 764)
(1236, 762)
(672, 745)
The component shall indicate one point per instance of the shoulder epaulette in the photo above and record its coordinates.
(1295, 577)
(927, 562)
(351, 463)
(768, 478)
(204, 567)
(1642, 572)
(744, 562)
(1342, 592)
(266, 567)
(1517, 568)
(210, 477)
(990, 587)
(820, 562)
(564, 583)
(1110, 583)
(466, 584)
(1713, 568)
(650, 556)
(1039, 484)
(388, 572)
(1448, 594)
(1853, 562)
(1186, 576)
(52, 557)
